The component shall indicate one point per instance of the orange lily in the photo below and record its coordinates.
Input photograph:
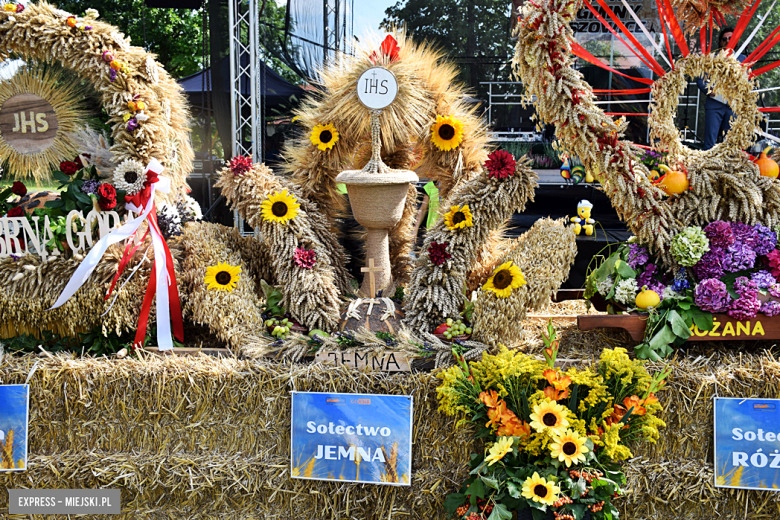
(489, 398)
(514, 428)
(496, 414)
(636, 403)
(560, 385)
(650, 399)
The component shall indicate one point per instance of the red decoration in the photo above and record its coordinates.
(389, 48)
(106, 197)
(305, 258)
(500, 164)
(18, 188)
(69, 167)
(16, 212)
(239, 164)
(438, 253)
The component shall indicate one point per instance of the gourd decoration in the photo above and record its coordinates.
(767, 166)
(673, 182)
(647, 299)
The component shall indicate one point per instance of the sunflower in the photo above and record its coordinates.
(279, 207)
(222, 277)
(505, 278)
(500, 448)
(447, 133)
(324, 137)
(540, 490)
(458, 217)
(549, 415)
(129, 176)
(569, 448)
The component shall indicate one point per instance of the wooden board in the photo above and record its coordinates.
(384, 362)
(725, 328)
(28, 123)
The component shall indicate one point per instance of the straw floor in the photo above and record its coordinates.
(202, 437)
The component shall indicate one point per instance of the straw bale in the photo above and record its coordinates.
(203, 437)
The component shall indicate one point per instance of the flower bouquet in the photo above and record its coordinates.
(554, 439)
(726, 267)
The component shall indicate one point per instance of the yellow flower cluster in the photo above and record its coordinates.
(612, 447)
(630, 372)
(497, 370)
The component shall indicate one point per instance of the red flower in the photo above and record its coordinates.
(16, 212)
(774, 262)
(19, 8)
(106, 197)
(305, 258)
(18, 188)
(69, 167)
(438, 253)
(239, 164)
(500, 164)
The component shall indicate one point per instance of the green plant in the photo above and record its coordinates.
(273, 299)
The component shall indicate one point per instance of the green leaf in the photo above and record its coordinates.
(477, 489)
(579, 488)
(684, 304)
(578, 510)
(500, 512)
(624, 270)
(662, 338)
(58, 175)
(53, 203)
(490, 481)
(678, 325)
(702, 319)
(453, 502)
(515, 489)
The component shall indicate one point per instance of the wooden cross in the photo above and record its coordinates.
(371, 277)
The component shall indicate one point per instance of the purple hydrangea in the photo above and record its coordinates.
(739, 256)
(744, 233)
(712, 295)
(658, 287)
(744, 284)
(711, 264)
(763, 279)
(774, 290)
(771, 308)
(766, 240)
(637, 255)
(90, 186)
(719, 233)
(646, 276)
(746, 306)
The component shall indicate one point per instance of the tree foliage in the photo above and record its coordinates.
(174, 35)
(474, 33)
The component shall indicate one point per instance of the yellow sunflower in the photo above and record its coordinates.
(541, 490)
(324, 137)
(458, 217)
(279, 207)
(222, 277)
(500, 448)
(505, 278)
(549, 415)
(447, 133)
(569, 448)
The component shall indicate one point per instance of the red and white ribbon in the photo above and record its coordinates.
(162, 281)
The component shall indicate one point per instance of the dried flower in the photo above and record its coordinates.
(130, 176)
(90, 186)
(438, 253)
(305, 258)
(500, 164)
(712, 295)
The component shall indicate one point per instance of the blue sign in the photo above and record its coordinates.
(352, 437)
(747, 443)
(14, 413)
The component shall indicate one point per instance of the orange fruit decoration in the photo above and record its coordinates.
(673, 182)
(766, 166)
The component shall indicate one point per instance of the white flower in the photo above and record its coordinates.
(605, 286)
(129, 176)
(193, 208)
(140, 116)
(626, 290)
(170, 212)
(92, 13)
(668, 292)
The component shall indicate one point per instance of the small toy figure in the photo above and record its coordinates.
(583, 220)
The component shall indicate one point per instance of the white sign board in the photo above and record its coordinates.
(377, 88)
